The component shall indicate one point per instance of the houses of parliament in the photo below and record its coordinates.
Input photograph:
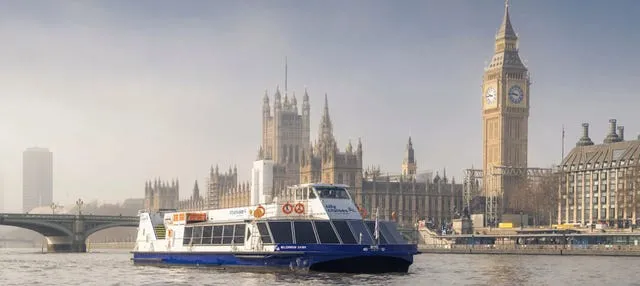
(286, 140)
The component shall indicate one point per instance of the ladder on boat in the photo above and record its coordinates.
(160, 231)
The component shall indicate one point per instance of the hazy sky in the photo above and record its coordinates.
(125, 91)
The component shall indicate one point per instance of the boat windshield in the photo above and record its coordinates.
(332, 192)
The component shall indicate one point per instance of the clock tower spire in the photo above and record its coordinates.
(505, 115)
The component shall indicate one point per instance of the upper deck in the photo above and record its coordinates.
(305, 201)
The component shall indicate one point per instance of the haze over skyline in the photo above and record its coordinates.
(122, 92)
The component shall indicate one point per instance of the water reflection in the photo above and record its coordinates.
(28, 267)
(506, 270)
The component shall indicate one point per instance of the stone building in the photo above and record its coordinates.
(505, 116)
(409, 197)
(285, 136)
(161, 195)
(223, 189)
(195, 202)
(598, 183)
(327, 164)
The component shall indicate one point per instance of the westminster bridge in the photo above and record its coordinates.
(66, 232)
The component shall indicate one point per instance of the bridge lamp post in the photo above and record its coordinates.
(53, 208)
(79, 203)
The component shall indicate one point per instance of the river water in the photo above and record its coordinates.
(113, 267)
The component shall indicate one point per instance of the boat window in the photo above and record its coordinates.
(325, 232)
(238, 235)
(299, 194)
(206, 234)
(227, 234)
(197, 235)
(358, 228)
(344, 232)
(187, 235)
(264, 232)
(372, 228)
(304, 232)
(217, 234)
(312, 194)
(331, 192)
(281, 231)
(390, 229)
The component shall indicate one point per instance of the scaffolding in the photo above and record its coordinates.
(494, 188)
(472, 178)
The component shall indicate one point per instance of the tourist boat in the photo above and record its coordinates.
(313, 227)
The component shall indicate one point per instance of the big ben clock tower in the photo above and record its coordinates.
(505, 114)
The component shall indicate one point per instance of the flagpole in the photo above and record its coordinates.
(562, 143)
(376, 232)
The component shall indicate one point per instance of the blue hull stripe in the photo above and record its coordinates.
(286, 255)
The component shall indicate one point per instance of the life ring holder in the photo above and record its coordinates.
(362, 211)
(299, 208)
(287, 208)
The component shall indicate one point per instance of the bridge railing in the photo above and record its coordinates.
(68, 216)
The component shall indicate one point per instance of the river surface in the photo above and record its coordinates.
(113, 267)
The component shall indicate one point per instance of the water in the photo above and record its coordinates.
(106, 267)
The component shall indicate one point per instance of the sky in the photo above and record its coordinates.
(126, 91)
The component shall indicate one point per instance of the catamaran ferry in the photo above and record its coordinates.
(313, 227)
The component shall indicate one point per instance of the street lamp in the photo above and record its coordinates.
(53, 208)
(79, 203)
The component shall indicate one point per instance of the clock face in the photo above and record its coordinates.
(515, 94)
(491, 95)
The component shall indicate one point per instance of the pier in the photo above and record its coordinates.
(534, 242)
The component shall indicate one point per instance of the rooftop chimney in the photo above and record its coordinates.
(585, 140)
(612, 136)
(621, 133)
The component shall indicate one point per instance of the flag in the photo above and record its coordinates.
(376, 232)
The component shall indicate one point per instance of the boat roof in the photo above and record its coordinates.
(320, 185)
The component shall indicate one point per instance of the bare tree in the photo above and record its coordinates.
(538, 197)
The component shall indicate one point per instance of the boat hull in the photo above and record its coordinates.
(323, 258)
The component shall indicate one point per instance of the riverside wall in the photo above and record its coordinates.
(585, 250)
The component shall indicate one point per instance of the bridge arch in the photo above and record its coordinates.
(104, 226)
(42, 227)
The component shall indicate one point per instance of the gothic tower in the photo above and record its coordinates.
(505, 113)
(409, 165)
(285, 134)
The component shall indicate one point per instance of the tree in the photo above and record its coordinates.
(537, 197)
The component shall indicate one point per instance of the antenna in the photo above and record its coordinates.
(285, 75)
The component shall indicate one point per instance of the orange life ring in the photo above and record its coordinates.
(259, 212)
(287, 208)
(299, 208)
